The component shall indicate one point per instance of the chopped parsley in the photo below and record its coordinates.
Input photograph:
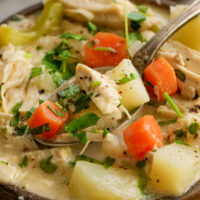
(142, 8)
(82, 136)
(136, 18)
(30, 112)
(60, 62)
(47, 166)
(178, 141)
(4, 162)
(105, 132)
(39, 130)
(28, 55)
(142, 181)
(16, 18)
(88, 159)
(173, 105)
(108, 49)
(85, 121)
(57, 112)
(4, 130)
(38, 47)
(180, 133)
(91, 43)
(71, 36)
(0, 91)
(148, 84)
(127, 79)
(58, 80)
(141, 164)
(19, 131)
(24, 163)
(36, 71)
(120, 102)
(180, 75)
(135, 36)
(15, 112)
(82, 102)
(94, 84)
(41, 101)
(92, 28)
(108, 162)
(165, 123)
(193, 128)
(70, 91)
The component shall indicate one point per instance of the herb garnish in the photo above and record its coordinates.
(85, 121)
(148, 84)
(142, 8)
(173, 105)
(41, 101)
(15, 112)
(71, 36)
(4, 162)
(4, 130)
(60, 62)
(108, 162)
(38, 47)
(178, 141)
(94, 84)
(36, 71)
(180, 75)
(92, 28)
(136, 18)
(142, 181)
(57, 112)
(193, 128)
(164, 123)
(24, 163)
(88, 159)
(19, 131)
(91, 43)
(180, 133)
(82, 102)
(30, 112)
(28, 55)
(82, 136)
(70, 91)
(105, 132)
(47, 166)
(135, 36)
(16, 18)
(127, 79)
(39, 130)
(120, 102)
(109, 49)
(141, 164)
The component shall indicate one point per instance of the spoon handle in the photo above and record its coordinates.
(145, 55)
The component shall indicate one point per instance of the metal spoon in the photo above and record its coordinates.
(140, 60)
(146, 54)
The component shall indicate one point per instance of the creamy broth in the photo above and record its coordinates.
(26, 78)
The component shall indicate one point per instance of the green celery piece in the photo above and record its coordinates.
(51, 17)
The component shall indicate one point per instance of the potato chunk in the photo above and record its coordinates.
(189, 33)
(94, 182)
(173, 169)
(133, 93)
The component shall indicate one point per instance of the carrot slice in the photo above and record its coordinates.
(105, 49)
(161, 75)
(142, 136)
(47, 112)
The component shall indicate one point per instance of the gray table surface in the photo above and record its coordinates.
(8, 7)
